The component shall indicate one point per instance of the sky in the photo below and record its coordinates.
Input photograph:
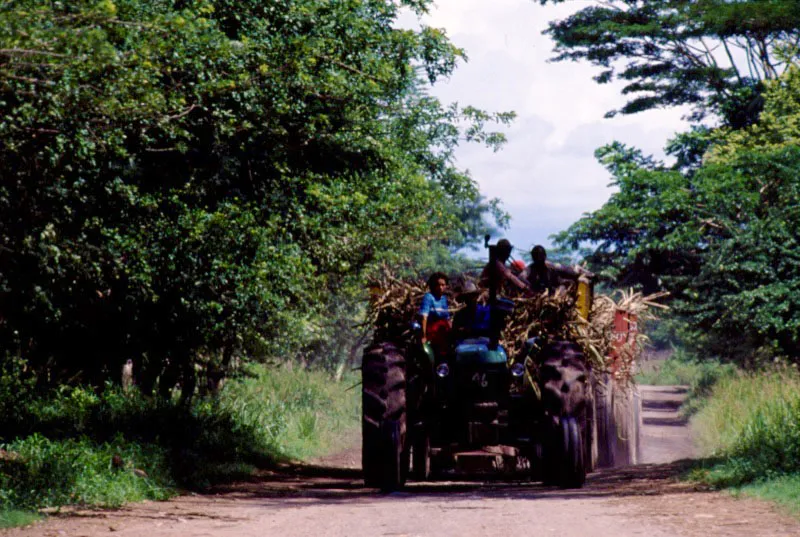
(546, 175)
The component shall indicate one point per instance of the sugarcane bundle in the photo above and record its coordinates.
(637, 308)
(598, 335)
(547, 316)
(393, 304)
(550, 316)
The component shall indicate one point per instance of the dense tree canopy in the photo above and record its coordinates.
(182, 179)
(721, 232)
(713, 55)
(717, 225)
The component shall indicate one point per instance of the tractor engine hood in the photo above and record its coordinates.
(476, 352)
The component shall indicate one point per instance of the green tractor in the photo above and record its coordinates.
(475, 408)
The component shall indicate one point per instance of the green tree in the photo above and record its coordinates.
(720, 233)
(182, 181)
(713, 55)
(640, 234)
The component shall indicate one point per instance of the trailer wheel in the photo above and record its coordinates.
(421, 457)
(385, 455)
(590, 454)
(573, 470)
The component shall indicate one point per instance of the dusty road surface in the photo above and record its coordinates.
(328, 500)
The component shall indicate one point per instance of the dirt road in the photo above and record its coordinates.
(328, 500)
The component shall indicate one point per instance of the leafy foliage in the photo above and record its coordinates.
(640, 234)
(713, 55)
(745, 293)
(720, 232)
(184, 181)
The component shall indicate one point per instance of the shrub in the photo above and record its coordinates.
(44, 472)
(76, 446)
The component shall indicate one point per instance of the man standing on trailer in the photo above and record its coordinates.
(542, 275)
(496, 272)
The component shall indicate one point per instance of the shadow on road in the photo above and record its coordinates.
(667, 405)
(308, 484)
(672, 421)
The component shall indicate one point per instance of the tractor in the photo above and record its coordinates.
(475, 408)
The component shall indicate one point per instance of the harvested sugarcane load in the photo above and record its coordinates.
(549, 316)
(499, 376)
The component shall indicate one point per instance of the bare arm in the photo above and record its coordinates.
(520, 283)
(502, 272)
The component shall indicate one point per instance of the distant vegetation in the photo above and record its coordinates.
(686, 369)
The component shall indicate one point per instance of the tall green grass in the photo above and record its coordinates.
(75, 446)
(49, 473)
(296, 413)
(783, 490)
(750, 427)
(750, 413)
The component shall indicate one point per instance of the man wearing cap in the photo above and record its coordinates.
(473, 319)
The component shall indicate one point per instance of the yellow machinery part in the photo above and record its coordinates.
(585, 297)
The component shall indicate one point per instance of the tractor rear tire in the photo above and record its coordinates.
(385, 454)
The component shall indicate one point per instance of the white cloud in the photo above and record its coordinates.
(546, 175)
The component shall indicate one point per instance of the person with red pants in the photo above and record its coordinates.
(436, 323)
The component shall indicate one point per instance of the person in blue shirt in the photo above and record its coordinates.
(434, 311)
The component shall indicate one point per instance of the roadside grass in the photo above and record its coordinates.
(49, 473)
(78, 447)
(749, 428)
(10, 518)
(297, 413)
(784, 491)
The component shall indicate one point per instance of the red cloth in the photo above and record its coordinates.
(439, 335)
